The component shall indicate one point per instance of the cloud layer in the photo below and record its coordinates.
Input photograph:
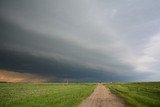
(81, 40)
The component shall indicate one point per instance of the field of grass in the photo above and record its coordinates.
(43, 95)
(142, 94)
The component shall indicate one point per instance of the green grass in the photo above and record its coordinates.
(43, 95)
(139, 94)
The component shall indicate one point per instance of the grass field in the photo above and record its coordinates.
(144, 94)
(43, 95)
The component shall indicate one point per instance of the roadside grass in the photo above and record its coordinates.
(137, 94)
(43, 95)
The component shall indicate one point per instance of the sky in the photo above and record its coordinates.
(80, 40)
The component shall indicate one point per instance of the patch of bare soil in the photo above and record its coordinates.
(102, 97)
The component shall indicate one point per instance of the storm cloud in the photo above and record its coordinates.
(87, 40)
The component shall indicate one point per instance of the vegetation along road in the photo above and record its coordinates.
(43, 95)
(137, 94)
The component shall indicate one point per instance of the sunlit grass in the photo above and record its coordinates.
(145, 94)
(43, 95)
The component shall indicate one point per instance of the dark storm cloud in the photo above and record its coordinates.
(79, 40)
(24, 51)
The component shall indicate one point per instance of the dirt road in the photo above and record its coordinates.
(102, 97)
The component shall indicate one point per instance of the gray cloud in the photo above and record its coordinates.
(87, 40)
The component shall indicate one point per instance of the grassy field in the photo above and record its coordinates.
(43, 95)
(144, 94)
